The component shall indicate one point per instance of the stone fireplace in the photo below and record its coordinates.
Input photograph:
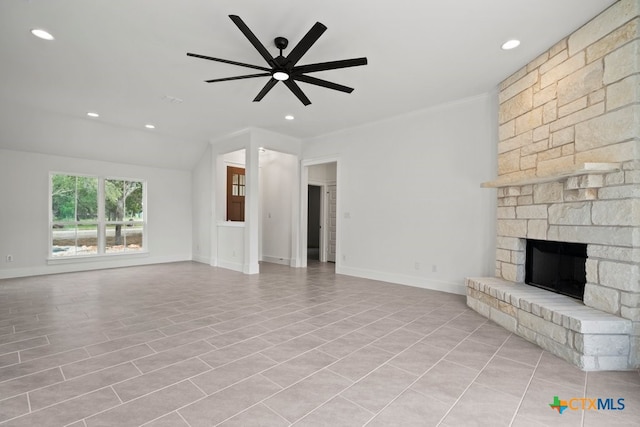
(569, 171)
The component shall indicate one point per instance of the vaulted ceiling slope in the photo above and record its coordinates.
(126, 60)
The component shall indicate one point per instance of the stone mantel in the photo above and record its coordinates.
(579, 170)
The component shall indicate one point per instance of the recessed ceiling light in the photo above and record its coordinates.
(40, 33)
(149, 126)
(289, 117)
(92, 114)
(511, 44)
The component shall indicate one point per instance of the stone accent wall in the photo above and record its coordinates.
(577, 103)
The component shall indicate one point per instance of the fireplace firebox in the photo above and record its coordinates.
(557, 266)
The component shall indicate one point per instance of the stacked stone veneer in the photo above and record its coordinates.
(577, 103)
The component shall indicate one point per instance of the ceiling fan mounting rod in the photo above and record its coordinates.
(281, 43)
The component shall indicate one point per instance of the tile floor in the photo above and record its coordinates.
(185, 344)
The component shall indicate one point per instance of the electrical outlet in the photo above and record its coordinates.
(9, 258)
(434, 268)
(417, 265)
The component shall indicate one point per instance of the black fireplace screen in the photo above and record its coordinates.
(557, 266)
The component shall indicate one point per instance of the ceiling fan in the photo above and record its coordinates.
(284, 69)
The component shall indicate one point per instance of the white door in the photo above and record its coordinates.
(331, 246)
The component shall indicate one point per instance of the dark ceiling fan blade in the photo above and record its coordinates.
(226, 61)
(303, 46)
(331, 65)
(323, 83)
(293, 87)
(252, 38)
(248, 76)
(270, 84)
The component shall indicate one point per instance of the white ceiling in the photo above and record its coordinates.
(121, 57)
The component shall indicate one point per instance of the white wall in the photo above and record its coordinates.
(201, 182)
(323, 174)
(24, 218)
(411, 189)
(278, 184)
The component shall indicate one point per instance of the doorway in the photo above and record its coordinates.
(314, 218)
(319, 241)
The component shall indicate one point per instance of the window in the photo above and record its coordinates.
(95, 216)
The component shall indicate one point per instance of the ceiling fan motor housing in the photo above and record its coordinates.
(281, 43)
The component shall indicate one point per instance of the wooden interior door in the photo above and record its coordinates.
(235, 193)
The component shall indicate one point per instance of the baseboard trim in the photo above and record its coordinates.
(88, 266)
(276, 260)
(229, 265)
(403, 279)
(201, 259)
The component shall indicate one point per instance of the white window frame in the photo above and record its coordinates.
(101, 222)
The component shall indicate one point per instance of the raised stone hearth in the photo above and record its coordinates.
(586, 337)
(569, 171)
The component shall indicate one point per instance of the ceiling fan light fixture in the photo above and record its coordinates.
(510, 44)
(281, 76)
(42, 34)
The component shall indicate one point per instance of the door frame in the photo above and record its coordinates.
(324, 238)
(304, 198)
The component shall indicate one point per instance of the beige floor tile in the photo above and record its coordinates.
(506, 375)
(233, 352)
(256, 416)
(481, 406)
(234, 337)
(410, 409)
(520, 350)
(49, 395)
(398, 340)
(177, 340)
(446, 381)
(472, 354)
(303, 397)
(151, 333)
(360, 363)
(174, 355)
(337, 412)
(37, 365)
(445, 337)
(120, 343)
(148, 407)
(93, 364)
(418, 358)
(214, 380)
(147, 383)
(170, 420)
(69, 411)
(292, 348)
(13, 407)
(347, 344)
(380, 387)
(294, 370)
(30, 382)
(229, 402)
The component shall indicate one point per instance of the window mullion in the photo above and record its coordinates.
(101, 217)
